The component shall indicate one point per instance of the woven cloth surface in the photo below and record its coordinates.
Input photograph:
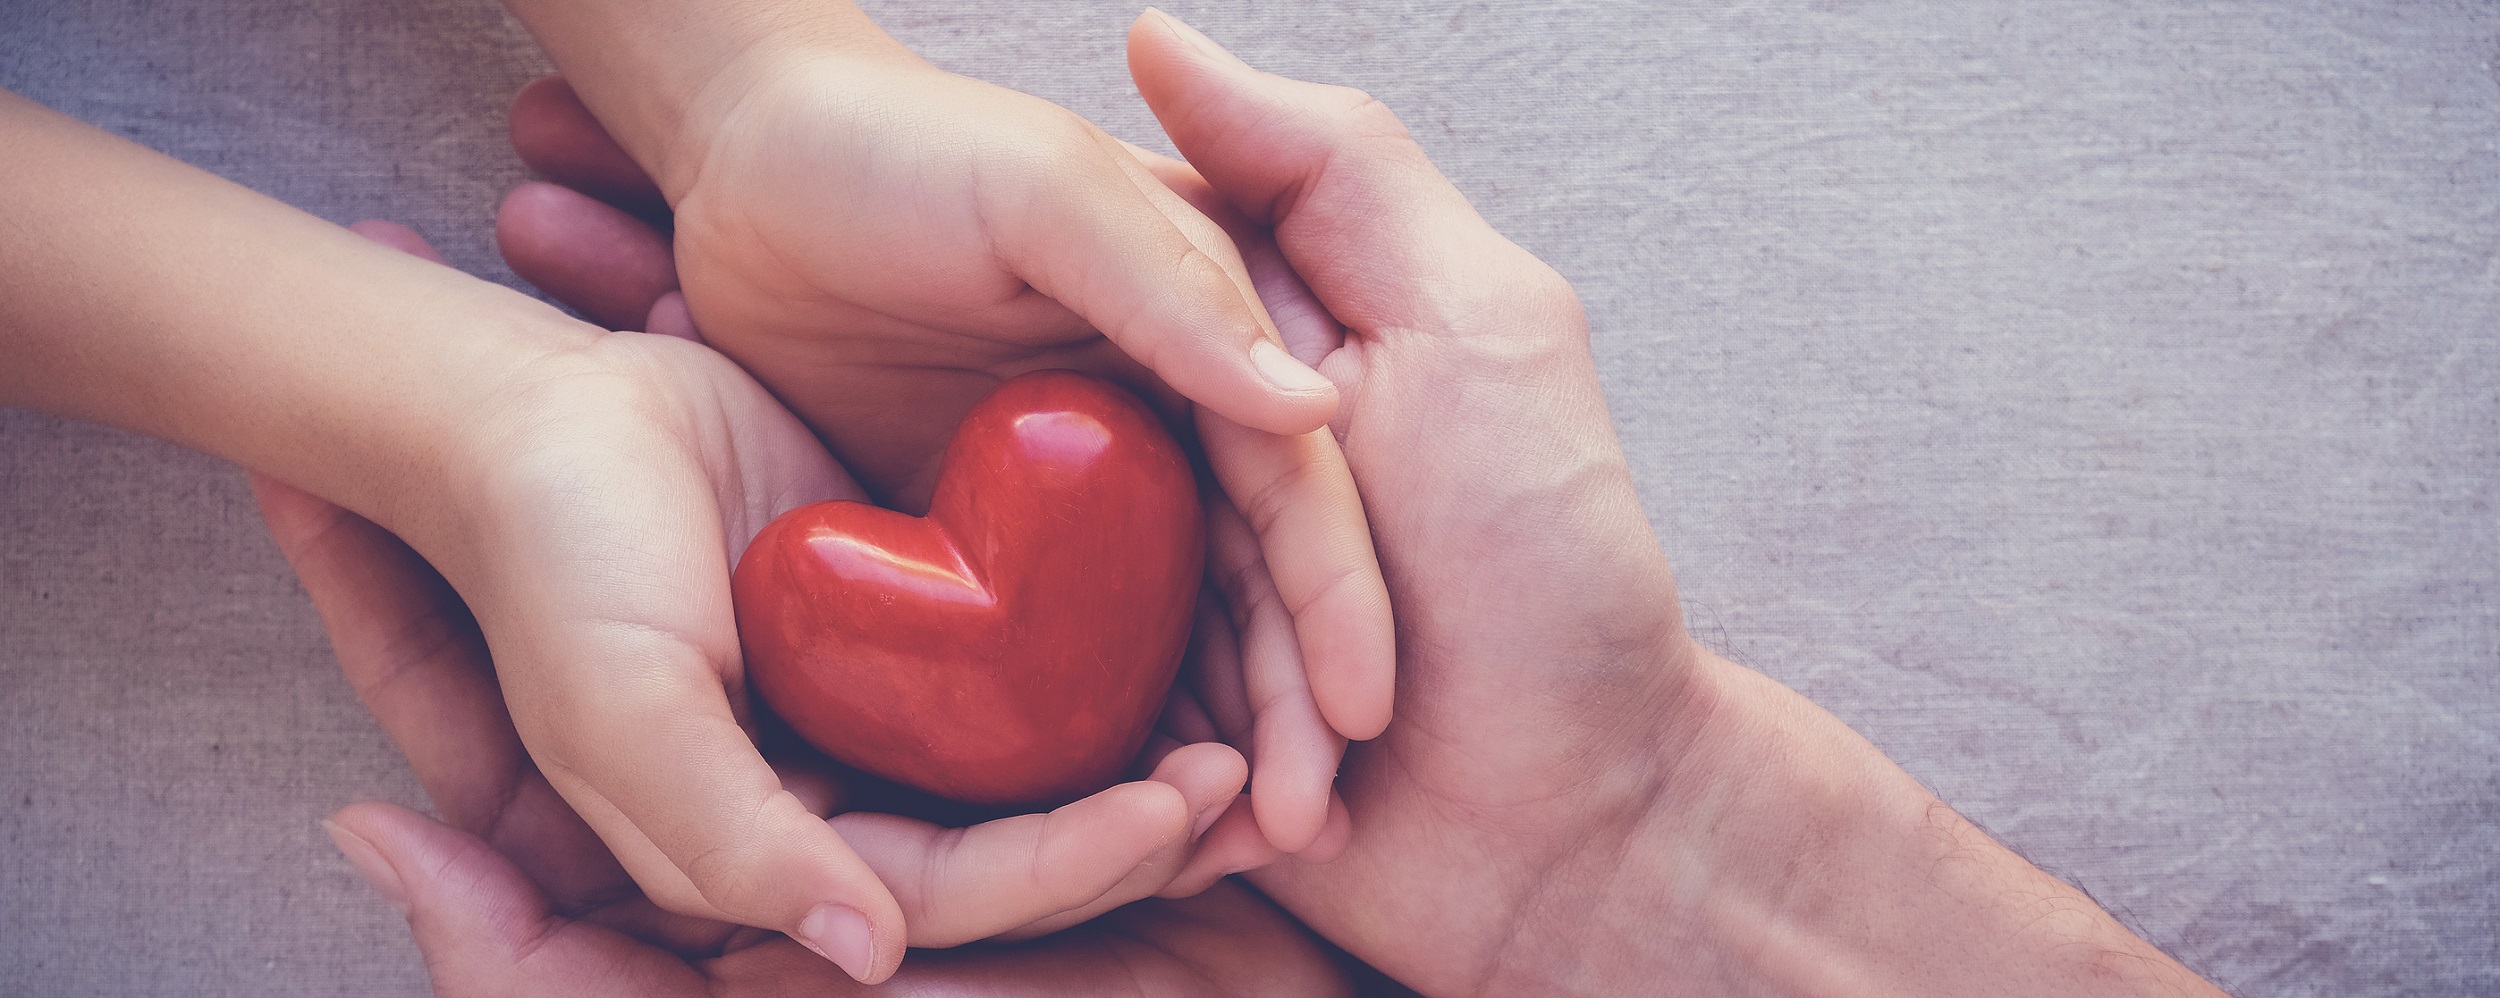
(2095, 403)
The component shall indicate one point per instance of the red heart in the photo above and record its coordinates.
(1015, 645)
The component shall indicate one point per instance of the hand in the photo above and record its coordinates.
(599, 574)
(880, 241)
(921, 317)
(1575, 798)
(516, 895)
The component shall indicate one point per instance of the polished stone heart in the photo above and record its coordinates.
(1015, 645)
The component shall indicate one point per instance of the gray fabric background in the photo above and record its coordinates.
(2092, 402)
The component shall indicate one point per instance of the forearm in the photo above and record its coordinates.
(659, 72)
(1803, 862)
(143, 293)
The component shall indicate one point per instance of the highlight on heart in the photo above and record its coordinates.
(1014, 645)
(804, 518)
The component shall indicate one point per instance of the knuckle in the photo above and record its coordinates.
(1340, 577)
(1253, 597)
(1361, 116)
(1544, 288)
(1277, 497)
(725, 877)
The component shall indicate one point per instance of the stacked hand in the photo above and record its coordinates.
(1510, 528)
(879, 278)
(880, 243)
(1575, 797)
(513, 894)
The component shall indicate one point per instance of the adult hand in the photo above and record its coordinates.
(1575, 798)
(513, 894)
(881, 316)
(615, 489)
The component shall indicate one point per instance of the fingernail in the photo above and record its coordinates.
(840, 934)
(369, 863)
(1199, 39)
(1286, 373)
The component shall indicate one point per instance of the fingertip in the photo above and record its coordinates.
(1291, 811)
(1354, 657)
(396, 236)
(556, 135)
(1304, 399)
(1208, 775)
(1158, 34)
(352, 830)
(841, 935)
(1234, 845)
(1154, 805)
(585, 253)
(670, 317)
(1335, 834)
(291, 514)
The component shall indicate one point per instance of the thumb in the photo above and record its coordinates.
(483, 926)
(1381, 237)
(1096, 232)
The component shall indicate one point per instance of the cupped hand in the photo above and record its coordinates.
(617, 484)
(512, 894)
(882, 243)
(1540, 640)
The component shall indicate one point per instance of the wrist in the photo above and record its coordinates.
(662, 75)
(1785, 855)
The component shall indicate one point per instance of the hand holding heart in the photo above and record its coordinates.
(513, 894)
(1015, 645)
(462, 722)
(1306, 617)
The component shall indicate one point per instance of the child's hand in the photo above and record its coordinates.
(513, 893)
(880, 242)
(596, 558)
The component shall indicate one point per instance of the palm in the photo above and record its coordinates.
(1534, 609)
(1486, 757)
(544, 886)
(883, 353)
(930, 321)
(632, 435)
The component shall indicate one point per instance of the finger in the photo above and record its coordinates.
(1310, 333)
(1334, 834)
(398, 237)
(1357, 207)
(602, 262)
(408, 646)
(1233, 844)
(556, 135)
(1299, 498)
(1213, 670)
(484, 928)
(662, 769)
(670, 317)
(1294, 752)
(1209, 777)
(1185, 722)
(1102, 238)
(415, 659)
(961, 885)
(818, 792)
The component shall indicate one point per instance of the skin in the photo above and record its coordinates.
(1576, 799)
(881, 242)
(512, 893)
(585, 493)
(602, 259)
